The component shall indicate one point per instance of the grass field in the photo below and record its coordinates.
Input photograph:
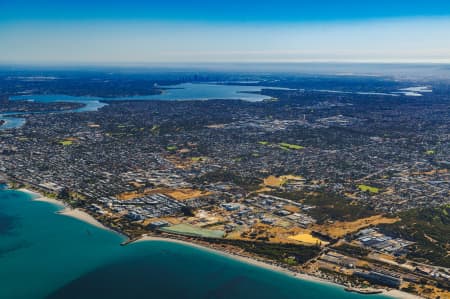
(290, 146)
(189, 230)
(66, 142)
(370, 189)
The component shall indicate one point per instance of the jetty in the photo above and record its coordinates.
(128, 241)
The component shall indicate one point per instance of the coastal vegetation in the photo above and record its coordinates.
(329, 206)
(430, 229)
(285, 253)
(352, 250)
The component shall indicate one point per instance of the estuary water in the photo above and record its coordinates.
(47, 255)
(185, 91)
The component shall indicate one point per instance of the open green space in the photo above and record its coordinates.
(171, 148)
(197, 159)
(290, 146)
(66, 142)
(370, 189)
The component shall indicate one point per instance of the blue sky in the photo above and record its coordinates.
(108, 32)
(221, 11)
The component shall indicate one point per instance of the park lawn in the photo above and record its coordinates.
(290, 146)
(370, 189)
(198, 159)
(66, 142)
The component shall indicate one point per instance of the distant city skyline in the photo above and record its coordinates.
(133, 32)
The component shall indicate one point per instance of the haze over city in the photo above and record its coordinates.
(133, 32)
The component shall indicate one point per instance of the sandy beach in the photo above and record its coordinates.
(401, 295)
(39, 197)
(66, 211)
(390, 293)
(83, 216)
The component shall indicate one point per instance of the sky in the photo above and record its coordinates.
(182, 31)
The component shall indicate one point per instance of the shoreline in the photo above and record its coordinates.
(39, 197)
(262, 264)
(87, 218)
(244, 259)
(82, 216)
(66, 210)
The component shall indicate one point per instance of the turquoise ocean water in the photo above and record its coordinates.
(47, 255)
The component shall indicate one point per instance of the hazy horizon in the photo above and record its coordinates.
(50, 32)
(397, 70)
